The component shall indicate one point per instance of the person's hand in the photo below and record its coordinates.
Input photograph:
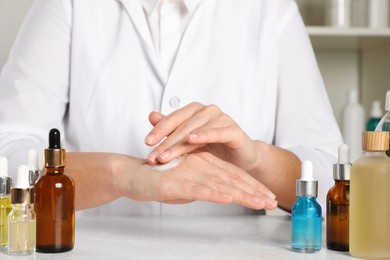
(198, 176)
(199, 127)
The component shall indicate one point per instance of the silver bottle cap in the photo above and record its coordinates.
(5, 180)
(5, 185)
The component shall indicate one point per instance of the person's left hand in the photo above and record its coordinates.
(200, 127)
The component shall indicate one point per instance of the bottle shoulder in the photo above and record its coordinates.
(372, 158)
(339, 193)
(307, 206)
(54, 180)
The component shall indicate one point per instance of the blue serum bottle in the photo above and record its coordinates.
(306, 233)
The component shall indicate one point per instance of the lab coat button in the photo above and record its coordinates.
(174, 102)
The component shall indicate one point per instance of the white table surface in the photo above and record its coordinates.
(234, 237)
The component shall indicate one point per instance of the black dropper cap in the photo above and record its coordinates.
(54, 139)
(54, 155)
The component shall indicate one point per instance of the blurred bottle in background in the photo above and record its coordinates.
(338, 13)
(353, 124)
(375, 116)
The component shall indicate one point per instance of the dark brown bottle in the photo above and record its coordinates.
(337, 208)
(54, 202)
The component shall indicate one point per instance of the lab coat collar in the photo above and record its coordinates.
(150, 5)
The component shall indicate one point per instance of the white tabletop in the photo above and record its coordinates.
(235, 237)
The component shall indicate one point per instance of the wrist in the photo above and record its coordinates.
(125, 173)
(260, 158)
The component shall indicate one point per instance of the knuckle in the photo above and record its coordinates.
(212, 108)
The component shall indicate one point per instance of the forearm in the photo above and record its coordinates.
(278, 169)
(99, 177)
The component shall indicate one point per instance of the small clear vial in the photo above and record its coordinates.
(21, 219)
(306, 221)
(5, 202)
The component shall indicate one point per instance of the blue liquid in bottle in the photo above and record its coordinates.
(306, 226)
(306, 234)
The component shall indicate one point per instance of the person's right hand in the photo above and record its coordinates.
(198, 176)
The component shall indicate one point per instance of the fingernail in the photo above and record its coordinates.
(164, 155)
(258, 200)
(149, 139)
(271, 202)
(267, 193)
(152, 156)
(193, 136)
(273, 196)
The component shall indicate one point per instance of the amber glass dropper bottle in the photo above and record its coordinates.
(54, 201)
(337, 204)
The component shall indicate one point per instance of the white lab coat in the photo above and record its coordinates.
(90, 69)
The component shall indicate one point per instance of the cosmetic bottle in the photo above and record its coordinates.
(378, 13)
(55, 196)
(21, 219)
(337, 204)
(384, 123)
(338, 13)
(375, 116)
(306, 213)
(33, 166)
(5, 202)
(369, 230)
(353, 124)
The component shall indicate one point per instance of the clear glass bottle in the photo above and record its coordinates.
(5, 202)
(369, 231)
(337, 206)
(21, 219)
(306, 222)
(55, 195)
(375, 116)
(384, 123)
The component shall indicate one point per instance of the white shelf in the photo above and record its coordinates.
(347, 32)
(330, 38)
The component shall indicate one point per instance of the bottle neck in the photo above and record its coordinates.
(21, 206)
(341, 182)
(55, 170)
(375, 153)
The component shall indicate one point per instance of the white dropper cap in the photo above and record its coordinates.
(22, 181)
(22, 193)
(387, 103)
(376, 110)
(307, 171)
(343, 154)
(306, 186)
(3, 167)
(32, 160)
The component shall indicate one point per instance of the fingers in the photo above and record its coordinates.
(239, 178)
(207, 178)
(155, 118)
(179, 125)
(166, 126)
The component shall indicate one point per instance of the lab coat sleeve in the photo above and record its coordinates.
(34, 81)
(305, 123)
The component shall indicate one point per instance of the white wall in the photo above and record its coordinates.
(12, 13)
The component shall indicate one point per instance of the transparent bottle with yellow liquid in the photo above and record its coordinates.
(369, 230)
